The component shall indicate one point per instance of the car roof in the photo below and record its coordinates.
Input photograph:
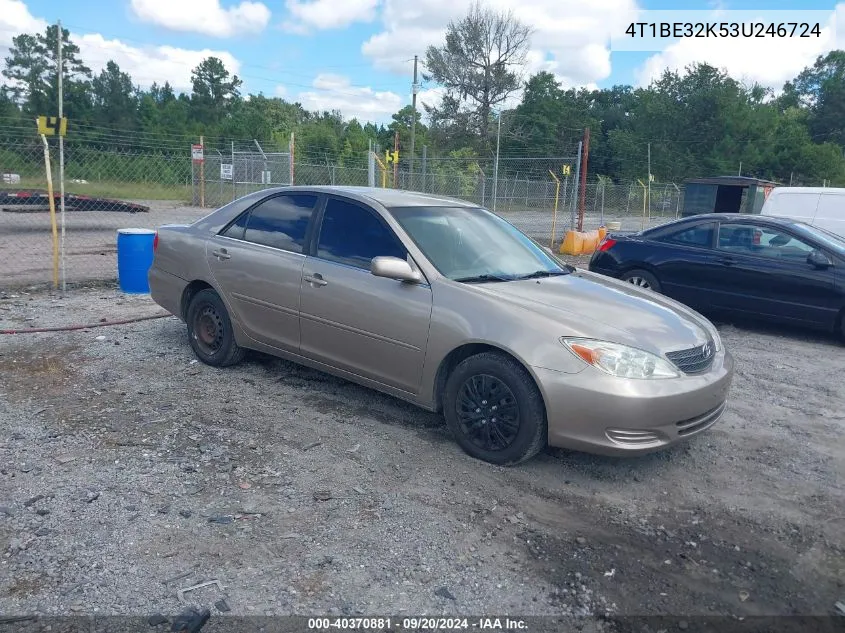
(385, 197)
(735, 217)
(808, 190)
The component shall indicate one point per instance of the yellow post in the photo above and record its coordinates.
(644, 201)
(383, 171)
(554, 215)
(52, 212)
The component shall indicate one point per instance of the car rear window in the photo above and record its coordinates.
(280, 222)
(698, 235)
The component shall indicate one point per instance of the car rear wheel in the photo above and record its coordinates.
(494, 409)
(210, 330)
(642, 279)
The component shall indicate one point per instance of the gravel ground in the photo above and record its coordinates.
(129, 471)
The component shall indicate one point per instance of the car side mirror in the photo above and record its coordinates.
(817, 259)
(394, 268)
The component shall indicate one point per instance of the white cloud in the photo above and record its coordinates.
(429, 97)
(145, 64)
(569, 39)
(335, 92)
(15, 19)
(328, 14)
(207, 17)
(149, 64)
(768, 61)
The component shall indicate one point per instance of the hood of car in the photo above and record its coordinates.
(593, 306)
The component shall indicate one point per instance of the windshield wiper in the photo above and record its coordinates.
(482, 278)
(543, 273)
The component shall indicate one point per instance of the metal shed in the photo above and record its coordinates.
(725, 194)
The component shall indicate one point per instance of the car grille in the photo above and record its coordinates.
(694, 360)
(694, 425)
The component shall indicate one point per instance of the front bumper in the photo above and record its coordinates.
(596, 413)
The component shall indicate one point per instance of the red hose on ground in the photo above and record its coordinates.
(69, 328)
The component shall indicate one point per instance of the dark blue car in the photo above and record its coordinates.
(751, 265)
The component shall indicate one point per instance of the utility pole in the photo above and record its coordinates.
(414, 89)
(648, 196)
(583, 196)
(395, 162)
(61, 153)
(740, 169)
(496, 164)
(574, 184)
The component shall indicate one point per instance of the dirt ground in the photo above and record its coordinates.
(129, 471)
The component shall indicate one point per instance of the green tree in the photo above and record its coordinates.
(479, 65)
(401, 123)
(115, 99)
(214, 92)
(32, 68)
(822, 89)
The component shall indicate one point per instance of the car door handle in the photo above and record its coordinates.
(315, 280)
(221, 253)
(726, 261)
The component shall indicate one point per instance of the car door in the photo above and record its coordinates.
(764, 271)
(257, 263)
(682, 261)
(350, 319)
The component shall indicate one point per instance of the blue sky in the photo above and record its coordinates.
(356, 55)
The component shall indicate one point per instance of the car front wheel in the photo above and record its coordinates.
(210, 330)
(494, 409)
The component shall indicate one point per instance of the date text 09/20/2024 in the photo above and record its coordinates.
(723, 29)
(417, 624)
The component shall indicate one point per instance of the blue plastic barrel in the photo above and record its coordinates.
(134, 258)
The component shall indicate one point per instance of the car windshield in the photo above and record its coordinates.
(471, 244)
(824, 237)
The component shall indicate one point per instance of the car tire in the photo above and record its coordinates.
(480, 386)
(642, 279)
(210, 330)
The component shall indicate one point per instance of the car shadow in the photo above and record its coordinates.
(623, 467)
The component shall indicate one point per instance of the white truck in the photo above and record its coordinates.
(823, 207)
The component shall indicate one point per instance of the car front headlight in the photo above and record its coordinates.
(620, 360)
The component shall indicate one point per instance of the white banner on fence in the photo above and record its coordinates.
(226, 171)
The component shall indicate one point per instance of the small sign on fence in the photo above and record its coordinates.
(226, 171)
(196, 153)
(48, 125)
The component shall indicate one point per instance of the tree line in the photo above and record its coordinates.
(697, 123)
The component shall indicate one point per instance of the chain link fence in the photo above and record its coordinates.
(108, 187)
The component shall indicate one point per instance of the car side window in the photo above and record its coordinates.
(699, 235)
(353, 235)
(762, 241)
(280, 222)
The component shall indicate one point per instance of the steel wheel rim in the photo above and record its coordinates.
(639, 282)
(208, 329)
(488, 414)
